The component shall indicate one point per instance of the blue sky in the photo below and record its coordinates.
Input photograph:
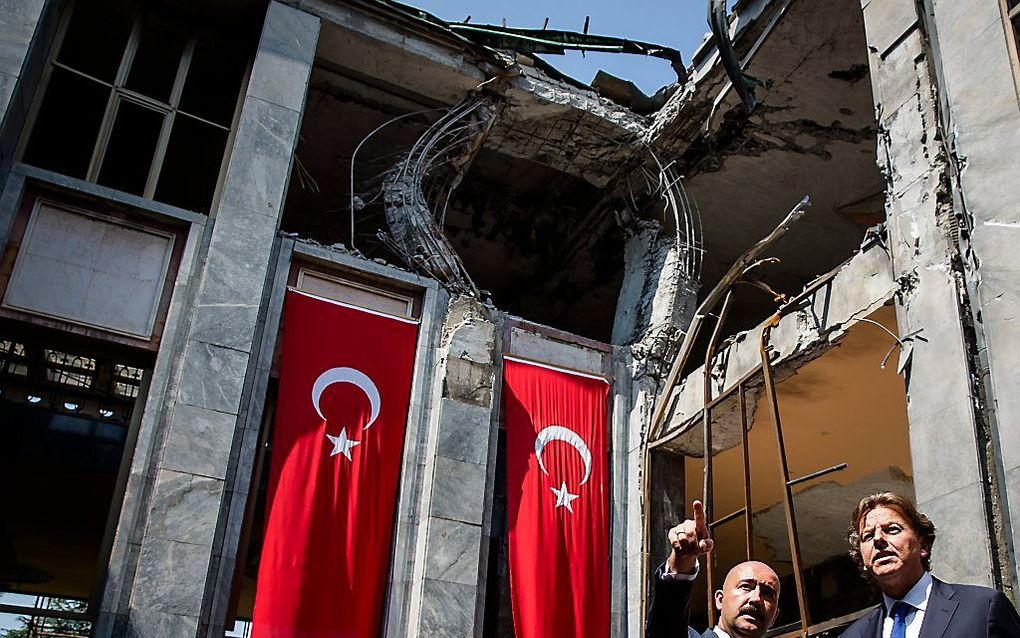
(679, 24)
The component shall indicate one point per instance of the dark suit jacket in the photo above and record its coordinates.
(671, 610)
(954, 611)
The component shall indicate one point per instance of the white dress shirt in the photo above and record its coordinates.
(917, 598)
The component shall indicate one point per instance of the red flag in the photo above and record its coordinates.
(558, 493)
(345, 384)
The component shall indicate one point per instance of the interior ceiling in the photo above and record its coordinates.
(813, 134)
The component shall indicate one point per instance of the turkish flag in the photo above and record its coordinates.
(345, 384)
(558, 496)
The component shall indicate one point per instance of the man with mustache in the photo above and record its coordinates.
(892, 542)
(748, 601)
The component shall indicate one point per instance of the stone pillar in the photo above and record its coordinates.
(980, 93)
(946, 450)
(170, 536)
(18, 22)
(448, 589)
(656, 304)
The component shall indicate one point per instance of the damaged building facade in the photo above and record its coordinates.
(169, 172)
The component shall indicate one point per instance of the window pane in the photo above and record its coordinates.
(68, 123)
(95, 40)
(192, 164)
(131, 148)
(23, 625)
(214, 80)
(155, 64)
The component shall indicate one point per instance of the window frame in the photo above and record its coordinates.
(119, 93)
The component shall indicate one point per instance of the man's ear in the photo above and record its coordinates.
(718, 599)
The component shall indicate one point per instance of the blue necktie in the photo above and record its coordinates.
(899, 613)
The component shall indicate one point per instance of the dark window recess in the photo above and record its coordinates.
(63, 431)
(56, 458)
(95, 40)
(139, 100)
(192, 164)
(67, 124)
(131, 148)
(214, 81)
(156, 62)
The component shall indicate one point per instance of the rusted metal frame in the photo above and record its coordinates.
(745, 452)
(829, 470)
(732, 275)
(706, 422)
(726, 519)
(740, 267)
(784, 470)
(770, 393)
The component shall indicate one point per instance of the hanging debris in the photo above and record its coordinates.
(742, 83)
(416, 192)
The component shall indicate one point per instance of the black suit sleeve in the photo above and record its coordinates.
(1003, 621)
(670, 612)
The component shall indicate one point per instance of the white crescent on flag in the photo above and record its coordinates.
(568, 436)
(352, 376)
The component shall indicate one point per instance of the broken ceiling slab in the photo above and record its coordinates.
(415, 57)
(627, 93)
(378, 44)
(574, 131)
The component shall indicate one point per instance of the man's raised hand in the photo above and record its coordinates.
(688, 541)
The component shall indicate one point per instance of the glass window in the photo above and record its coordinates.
(139, 102)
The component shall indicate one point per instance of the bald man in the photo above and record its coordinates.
(748, 601)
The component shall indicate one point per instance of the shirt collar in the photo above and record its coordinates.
(719, 632)
(917, 597)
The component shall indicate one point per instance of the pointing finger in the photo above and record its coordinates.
(699, 520)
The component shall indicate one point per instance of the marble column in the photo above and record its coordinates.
(23, 24)
(944, 430)
(165, 544)
(448, 587)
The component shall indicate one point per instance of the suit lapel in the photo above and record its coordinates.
(940, 610)
(874, 629)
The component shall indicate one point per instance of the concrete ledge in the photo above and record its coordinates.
(861, 286)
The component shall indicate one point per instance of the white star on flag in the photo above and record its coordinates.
(342, 444)
(563, 497)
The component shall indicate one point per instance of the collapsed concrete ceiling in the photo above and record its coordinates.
(812, 133)
(557, 154)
